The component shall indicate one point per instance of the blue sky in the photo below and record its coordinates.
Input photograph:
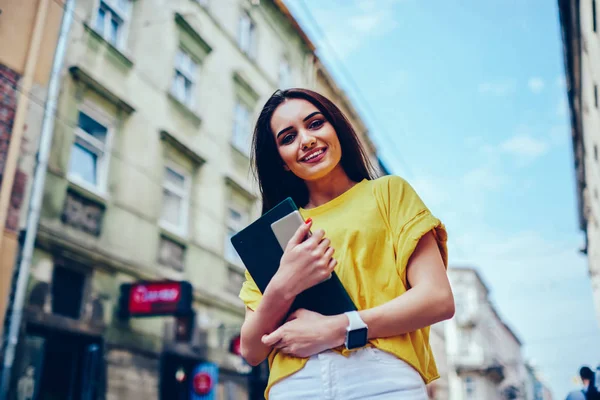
(471, 94)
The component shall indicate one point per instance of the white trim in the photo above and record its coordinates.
(90, 143)
(185, 195)
(188, 73)
(247, 38)
(122, 15)
(244, 211)
(241, 134)
(285, 85)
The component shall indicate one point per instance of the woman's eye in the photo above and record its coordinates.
(317, 123)
(288, 139)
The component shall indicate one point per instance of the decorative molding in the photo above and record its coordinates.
(182, 147)
(202, 47)
(240, 188)
(84, 77)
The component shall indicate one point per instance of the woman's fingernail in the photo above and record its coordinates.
(308, 221)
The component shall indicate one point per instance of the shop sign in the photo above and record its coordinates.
(204, 381)
(149, 299)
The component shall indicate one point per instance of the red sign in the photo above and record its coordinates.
(203, 383)
(156, 298)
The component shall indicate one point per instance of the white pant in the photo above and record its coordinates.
(368, 373)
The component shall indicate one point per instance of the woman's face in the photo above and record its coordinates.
(306, 141)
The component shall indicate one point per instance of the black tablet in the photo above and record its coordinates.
(261, 253)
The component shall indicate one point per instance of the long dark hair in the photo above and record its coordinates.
(592, 392)
(275, 182)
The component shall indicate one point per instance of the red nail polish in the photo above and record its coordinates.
(308, 221)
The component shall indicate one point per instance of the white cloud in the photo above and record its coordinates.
(525, 146)
(498, 88)
(368, 19)
(536, 85)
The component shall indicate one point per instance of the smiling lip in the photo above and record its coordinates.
(314, 159)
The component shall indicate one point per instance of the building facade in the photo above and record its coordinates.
(484, 354)
(581, 43)
(24, 68)
(438, 389)
(148, 179)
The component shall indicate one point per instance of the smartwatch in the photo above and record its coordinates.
(356, 332)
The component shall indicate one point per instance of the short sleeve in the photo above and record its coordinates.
(250, 294)
(409, 220)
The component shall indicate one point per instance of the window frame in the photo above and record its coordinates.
(247, 35)
(90, 143)
(112, 9)
(184, 193)
(240, 136)
(188, 74)
(285, 85)
(229, 252)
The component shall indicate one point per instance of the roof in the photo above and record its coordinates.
(571, 37)
(286, 12)
(480, 279)
(477, 275)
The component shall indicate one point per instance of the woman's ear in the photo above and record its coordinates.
(286, 168)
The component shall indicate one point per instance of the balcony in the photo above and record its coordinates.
(476, 362)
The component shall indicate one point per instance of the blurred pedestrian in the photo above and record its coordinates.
(392, 253)
(589, 391)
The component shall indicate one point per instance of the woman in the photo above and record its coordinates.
(390, 254)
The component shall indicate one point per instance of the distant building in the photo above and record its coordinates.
(438, 389)
(484, 354)
(580, 20)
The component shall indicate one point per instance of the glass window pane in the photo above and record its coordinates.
(83, 164)
(114, 32)
(92, 127)
(100, 20)
(189, 93)
(174, 178)
(179, 59)
(171, 208)
(234, 215)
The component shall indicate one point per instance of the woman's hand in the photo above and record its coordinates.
(305, 263)
(307, 333)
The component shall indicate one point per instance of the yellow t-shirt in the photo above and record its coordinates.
(374, 228)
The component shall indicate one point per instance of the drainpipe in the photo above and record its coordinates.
(35, 202)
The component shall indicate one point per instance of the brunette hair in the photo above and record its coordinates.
(274, 181)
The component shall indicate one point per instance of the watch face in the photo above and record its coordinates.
(357, 338)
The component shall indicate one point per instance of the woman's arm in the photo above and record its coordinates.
(305, 263)
(429, 300)
(272, 309)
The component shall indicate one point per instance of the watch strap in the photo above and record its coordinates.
(355, 321)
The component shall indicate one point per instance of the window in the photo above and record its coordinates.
(89, 160)
(596, 152)
(176, 198)
(470, 388)
(237, 219)
(111, 21)
(241, 127)
(285, 75)
(594, 16)
(67, 292)
(596, 96)
(247, 35)
(184, 79)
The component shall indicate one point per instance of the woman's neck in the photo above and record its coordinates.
(328, 188)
